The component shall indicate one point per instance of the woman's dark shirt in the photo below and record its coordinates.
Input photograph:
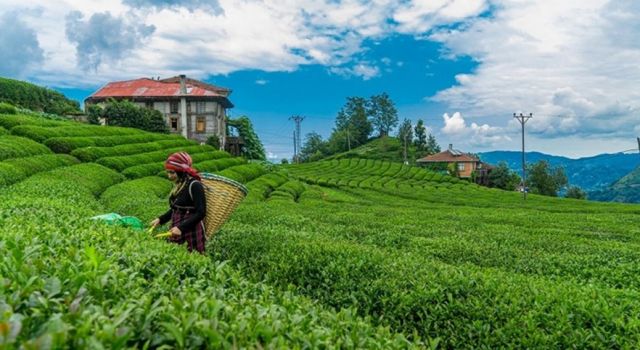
(183, 201)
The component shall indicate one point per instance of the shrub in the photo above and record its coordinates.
(41, 134)
(6, 108)
(213, 141)
(14, 170)
(91, 154)
(16, 147)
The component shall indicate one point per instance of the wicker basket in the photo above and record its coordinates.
(223, 196)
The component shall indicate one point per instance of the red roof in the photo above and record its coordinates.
(145, 87)
(449, 156)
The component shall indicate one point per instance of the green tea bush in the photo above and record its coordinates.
(17, 169)
(147, 197)
(243, 173)
(6, 108)
(68, 144)
(218, 164)
(260, 187)
(10, 121)
(91, 154)
(157, 168)
(122, 162)
(41, 134)
(3, 131)
(16, 147)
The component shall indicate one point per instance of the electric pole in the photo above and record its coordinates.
(297, 145)
(523, 120)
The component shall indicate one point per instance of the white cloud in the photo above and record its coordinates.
(203, 38)
(261, 82)
(271, 155)
(456, 129)
(569, 64)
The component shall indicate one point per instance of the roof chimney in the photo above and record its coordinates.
(451, 147)
(183, 85)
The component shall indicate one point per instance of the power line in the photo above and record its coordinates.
(523, 120)
(297, 144)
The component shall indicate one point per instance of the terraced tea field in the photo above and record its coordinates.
(350, 253)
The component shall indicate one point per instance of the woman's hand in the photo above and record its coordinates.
(175, 232)
(154, 223)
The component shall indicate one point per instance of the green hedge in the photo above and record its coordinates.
(68, 144)
(157, 168)
(41, 134)
(145, 198)
(14, 170)
(260, 188)
(16, 147)
(122, 162)
(218, 164)
(10, 121)
(91, 154)
(7, 108)
(244, 173)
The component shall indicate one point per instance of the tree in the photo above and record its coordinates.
(384, 115)
(405, 134)
(253, 148)
(354, 119)
(544, 179)
(432, 145)
(284, 161)
(576, 193)
(421, 136)
(314, 148)
(502, 177)
(127, 114)
(94, 113)
(213, 141)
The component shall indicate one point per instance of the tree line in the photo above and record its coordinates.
(36, 98)
(360, 120)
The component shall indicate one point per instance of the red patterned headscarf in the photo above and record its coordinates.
(181, 161)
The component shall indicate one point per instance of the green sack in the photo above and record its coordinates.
(117, 219)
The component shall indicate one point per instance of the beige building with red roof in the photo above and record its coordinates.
(465, 163)
(195, 109)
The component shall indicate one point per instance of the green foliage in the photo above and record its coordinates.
(7, 108)
(18, 169)
(314, 148)
(544, 179)
(253, 148)
(576, 193)
(41, 134)
(157, 168)
(94, 114)
(353, 119)
(127, 114)
(243, 173)
(9, 121)
(122, 162)
(146, 197)
(503, 178)
(26, 95)
(284, 161)
(383, 113)
(420, 132)
(92, 153)
(67, 144)
(213, 141)
(16, 147)
(405, 135)
(218, 164)
(3, 131)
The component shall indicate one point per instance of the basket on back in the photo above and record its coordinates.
(223, 196)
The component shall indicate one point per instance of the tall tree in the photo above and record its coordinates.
(353, 119)
(544, 179)
(384, 115)
(314, 148)
(253, 148)
(421, 136)
(432, 145)
(405, 134)
(126, 113)
(502, 177)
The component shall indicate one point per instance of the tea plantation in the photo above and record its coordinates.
(350, 253)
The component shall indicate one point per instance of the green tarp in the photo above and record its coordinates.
(117, 219)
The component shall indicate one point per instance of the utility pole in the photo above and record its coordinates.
(295, 151)
(296, 136)
(523, 120)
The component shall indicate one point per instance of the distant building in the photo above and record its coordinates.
(195, 109)
(465, 163)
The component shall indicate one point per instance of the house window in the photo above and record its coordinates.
(201, 125)
(460, 166)
(149, 104)
(188, 107)
(174, 107)
(200, 107)
(174, 124)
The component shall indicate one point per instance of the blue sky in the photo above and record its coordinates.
(464, 66)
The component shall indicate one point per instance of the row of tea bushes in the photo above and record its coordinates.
(91, 154)
(121, 163)
(157, 168)
(9, 121)
(18, 169)
(290, 190)
(260, 188)
(41, 134)
(68, 144)
(145, 198)
(244, 173)
(16, 147)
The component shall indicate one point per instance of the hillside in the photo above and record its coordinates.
(589, 173)
(345, 253)
(626, 190)
(383, 148)
(36, 98)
